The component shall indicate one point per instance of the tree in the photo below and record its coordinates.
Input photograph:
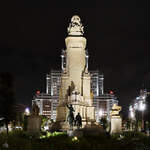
(128, 124)
(7, 99)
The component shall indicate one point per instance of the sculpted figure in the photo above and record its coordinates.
(115, 110)
(78, 121)
(70, 117)
(35, 109)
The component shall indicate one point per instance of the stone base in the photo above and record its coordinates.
(64, 126)
(90, 113)
(86, 112)
(92, 129)
(61, 113)
(34, 124)
(59, 126)
(116, 124)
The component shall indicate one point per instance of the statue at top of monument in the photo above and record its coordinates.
(75, 27)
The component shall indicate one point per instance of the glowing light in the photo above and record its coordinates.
(46, 127)
(75, 138)
(135, 106)
(2, 118)
(111, 92)
(142, 106)
(27, 111)
(49, 134)
(130, 108)
(18, 127)
(38, 92)
(100, 112)
(132, 115)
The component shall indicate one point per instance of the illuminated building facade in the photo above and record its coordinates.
(138, 104)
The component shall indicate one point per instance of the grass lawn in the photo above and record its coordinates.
(57, 141)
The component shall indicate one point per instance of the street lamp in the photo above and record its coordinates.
(142, 107)
(132, 114)
(27, 111)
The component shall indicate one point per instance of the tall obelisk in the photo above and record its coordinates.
(75, 79)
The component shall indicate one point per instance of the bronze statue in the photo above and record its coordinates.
(78, 121)
(70, 117)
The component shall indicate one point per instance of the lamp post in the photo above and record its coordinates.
(131, 116)
(142, 108)
(27, 111)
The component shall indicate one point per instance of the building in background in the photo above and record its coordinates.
(138, 104)
(48, 101)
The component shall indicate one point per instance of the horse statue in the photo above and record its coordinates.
(70, 117)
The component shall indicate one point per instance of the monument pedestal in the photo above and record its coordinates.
(116, 124)
(59, 126)
(61, 113)
(34, 124)
(75, 87)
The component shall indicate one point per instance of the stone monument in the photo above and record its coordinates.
(116, 120)
(75, 79)
(34, 121)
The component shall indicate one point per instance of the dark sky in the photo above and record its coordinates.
(32, 35)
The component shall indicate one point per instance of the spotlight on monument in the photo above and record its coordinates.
(131, 112)
(100, 113)
(27, 111)
(46, 128)
(142, 106)
(132, 115)
(75, 139)
(2, 118)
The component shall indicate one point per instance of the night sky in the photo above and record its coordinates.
(32, 34)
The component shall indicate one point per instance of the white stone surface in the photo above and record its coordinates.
(75, 79)
(116, 124)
